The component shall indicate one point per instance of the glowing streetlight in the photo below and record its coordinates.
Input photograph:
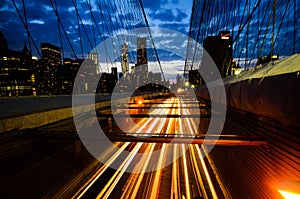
(140, 102)
(289, 189)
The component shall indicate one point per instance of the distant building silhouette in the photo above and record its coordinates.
(195, 77)
(155, 79)
(219, 49)
(266, 59)
(108, 81)
(114, 73)
(66, 75)
(142, 52)
(16, 71)
(141, 68)
(95, 59)
(124, 58)
(89, 76)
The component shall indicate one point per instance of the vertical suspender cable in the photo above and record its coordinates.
(151, 38)
(26, 25)
(273, 28)
(295, 23)
(60, 37)
(79, 31)
(68, 39)
(198, 34)
(189, 41)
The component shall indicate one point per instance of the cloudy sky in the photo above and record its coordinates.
(101, 19)
(43, 25)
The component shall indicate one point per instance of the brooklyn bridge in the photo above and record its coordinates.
(150, 99)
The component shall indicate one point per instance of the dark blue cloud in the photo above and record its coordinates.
(155, 6)
(43, 24)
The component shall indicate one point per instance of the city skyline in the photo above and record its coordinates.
(192, 99)
(24, 74)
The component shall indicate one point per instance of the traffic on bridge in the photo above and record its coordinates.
(185, 99)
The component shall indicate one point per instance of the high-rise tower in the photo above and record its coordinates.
(141, 68)
(142, 52)
(124, 57)
(51, 61)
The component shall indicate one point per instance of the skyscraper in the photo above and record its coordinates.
(114, 73)
(141, 68)
(142, 52)
(51, 61)
(94, 57)
(124, 57)
(51, 54)
(219, 49)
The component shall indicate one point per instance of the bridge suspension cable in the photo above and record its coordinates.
(258, 28)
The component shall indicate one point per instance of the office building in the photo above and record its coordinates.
(142, 52)
(141, 67)
(124, 59)
(66, 75)
(16, 72)
(219, 48)
(95, 59)
(50, 63)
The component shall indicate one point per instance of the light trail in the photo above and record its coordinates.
(161, 160)
(181, 167)
(211, 187)
(186, 175)
(106, 191)
(115, 155)
(174, 183)
(88, 184)
(134, 184)
(136, 179)
(198, 176)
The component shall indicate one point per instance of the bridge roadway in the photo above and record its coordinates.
(186, 177)
(50, 161)
(43, 150)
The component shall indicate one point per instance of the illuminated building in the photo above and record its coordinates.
(51, 61)
(16, 71)
(141, 68)
(106, 84)
(89, 76)
(124, 57)
(219, 48)
(66, 75)
(95, 59)
(142, 52)
(51, 54)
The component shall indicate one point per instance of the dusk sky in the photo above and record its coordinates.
(171, 14)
